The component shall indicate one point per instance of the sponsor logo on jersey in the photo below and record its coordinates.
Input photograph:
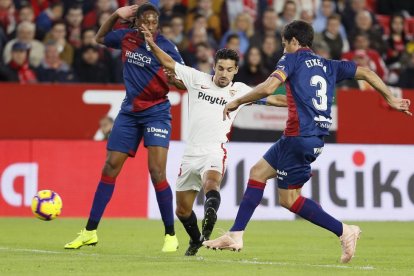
(212, 100)
(137, 58)
(323, 122)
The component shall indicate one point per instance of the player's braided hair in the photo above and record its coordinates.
(225, 53)
(300, 30)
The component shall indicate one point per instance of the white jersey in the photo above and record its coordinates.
(207, 130)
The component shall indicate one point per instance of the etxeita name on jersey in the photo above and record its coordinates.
(211, 99)
(137, 58)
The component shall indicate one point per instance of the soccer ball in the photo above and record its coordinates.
(46, 205)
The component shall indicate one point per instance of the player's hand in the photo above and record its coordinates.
(402, 105)
(147, 34)
(127, 12)
(230, 107)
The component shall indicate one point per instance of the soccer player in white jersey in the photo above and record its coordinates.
(204, 161)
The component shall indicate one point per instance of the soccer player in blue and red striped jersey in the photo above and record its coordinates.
(145, 114)
(310, 84)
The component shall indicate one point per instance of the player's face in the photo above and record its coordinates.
(290, 46)
(224, 71)
(150, 20)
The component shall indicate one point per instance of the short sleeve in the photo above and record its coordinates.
(114, 39)
(186, 74)
(344, 69)
(284, 67)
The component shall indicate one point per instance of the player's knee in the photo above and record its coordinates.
(255, 173)
(111, 168)
(210, 184)
(285, 202)
(157, 174)
(182, 212)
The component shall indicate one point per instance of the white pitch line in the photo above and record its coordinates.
(201, 259)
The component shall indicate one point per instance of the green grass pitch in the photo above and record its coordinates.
(133, 247)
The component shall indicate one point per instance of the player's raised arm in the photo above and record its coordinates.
(366, 74)
(262, 90)
(125, 13)
(166, 60)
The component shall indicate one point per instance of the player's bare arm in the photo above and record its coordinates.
(263, 90)
(368, 75)
(173, 80)
(277, 100)
(125, 13)
(166, 60)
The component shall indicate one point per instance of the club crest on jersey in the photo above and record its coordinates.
(232, 92)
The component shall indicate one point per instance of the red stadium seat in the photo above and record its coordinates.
(384, 21)
(372, 5)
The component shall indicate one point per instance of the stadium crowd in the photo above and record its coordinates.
(53, 41)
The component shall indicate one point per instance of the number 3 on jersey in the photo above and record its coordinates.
(322, 104)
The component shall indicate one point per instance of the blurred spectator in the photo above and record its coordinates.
(45, 20)
(110, 57)
(288, 14)
(204, 7)
(91, 69)
(169, 8)
(58, 34)
(233, 43)
(7, 19)
(365, 56)
(25, 34)
(103, 17)
(53, 68)
(74, 17)
(230, 9)
(204, 58)
(321, 49)
(166, 30)
(252, 72)
(26, 13)
(105, 126)
(244, 28)
(332, 37)
(269, 27)
(326, 10)
(200, 22)
(91, 18)
(177, 29)
(397, 39)
(364, 23)
(307, 16)
(198, 35)
(18, 67)
(407, 74)
(272, 52)
(350, 11)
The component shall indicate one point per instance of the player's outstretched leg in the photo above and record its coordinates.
(211, 206)
(103, 194)
(233, 240)
(313, 212)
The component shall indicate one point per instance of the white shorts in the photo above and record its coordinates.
(192, 169)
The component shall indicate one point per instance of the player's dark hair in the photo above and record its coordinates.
(225, 53)
(147, 7)
(300, 30)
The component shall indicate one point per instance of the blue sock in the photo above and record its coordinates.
(103, 195)
(313, 212)
(164, 199)
(251, 199)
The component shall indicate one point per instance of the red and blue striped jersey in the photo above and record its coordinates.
(310, 85)
(145, 82)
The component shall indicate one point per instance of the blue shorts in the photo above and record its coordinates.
(128, 131)
(291, 158)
